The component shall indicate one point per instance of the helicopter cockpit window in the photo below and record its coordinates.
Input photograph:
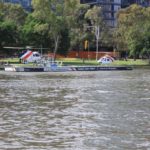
(36, 55)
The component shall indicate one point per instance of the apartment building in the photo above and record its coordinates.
(126, 3)
(26, 4)
(110, 7)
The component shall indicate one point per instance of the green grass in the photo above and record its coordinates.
(80, 62)
(10, 60)
(129, 62)
(77, 61)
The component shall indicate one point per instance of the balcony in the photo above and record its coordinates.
(100, 2)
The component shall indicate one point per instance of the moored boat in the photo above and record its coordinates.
(64, 68)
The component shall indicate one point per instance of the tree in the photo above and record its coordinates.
(15, 13)
(95, 19)
(50, 14)
(29, 35)
(8, 33)
(64, 44)
(74, 14)
(133, 30)
(146, 34)
(10, 23)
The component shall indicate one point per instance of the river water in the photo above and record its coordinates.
(75, 110)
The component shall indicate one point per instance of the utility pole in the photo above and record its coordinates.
(41, 51)
(97, 35)
(97, 40)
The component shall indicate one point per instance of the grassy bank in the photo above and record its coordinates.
(10, 60)
(80, 62)
(129, 62)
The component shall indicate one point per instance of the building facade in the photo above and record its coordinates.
(26, 4)
(126, 3)
(110, 7)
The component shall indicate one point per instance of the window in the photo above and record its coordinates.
(87, 1)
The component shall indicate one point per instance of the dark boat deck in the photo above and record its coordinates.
(68, 68)
(100, 68)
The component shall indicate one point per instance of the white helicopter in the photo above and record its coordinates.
(28, 55)
(106, 59)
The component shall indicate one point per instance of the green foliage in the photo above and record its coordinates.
(51, 21)
(29, 36)
(14, 13)
(12, 18)
(94, 15)
(64, 44)
(8, 33)
(58, 24)
(133, 30)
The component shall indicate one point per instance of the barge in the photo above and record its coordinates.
(66, 68)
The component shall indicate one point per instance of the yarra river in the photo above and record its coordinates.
(75, 110)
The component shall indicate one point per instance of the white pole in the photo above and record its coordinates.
(97, 39)
(41, 51)
(97, 34)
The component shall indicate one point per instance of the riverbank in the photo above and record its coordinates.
(129, 62)
(80, 62)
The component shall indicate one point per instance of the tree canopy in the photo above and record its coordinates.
(12, 18)
(133, 31)
(62, 25)
(59, 25)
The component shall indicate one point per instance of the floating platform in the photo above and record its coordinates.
(100, 68)
(65, 68)
(35, 69)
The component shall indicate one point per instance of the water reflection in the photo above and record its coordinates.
(79, 110)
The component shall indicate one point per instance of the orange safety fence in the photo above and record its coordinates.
(86, 54)
(91, 55)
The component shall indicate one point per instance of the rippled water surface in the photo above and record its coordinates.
(75, 110)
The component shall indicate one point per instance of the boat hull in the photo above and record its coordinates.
(100, 68)
(67, 68)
